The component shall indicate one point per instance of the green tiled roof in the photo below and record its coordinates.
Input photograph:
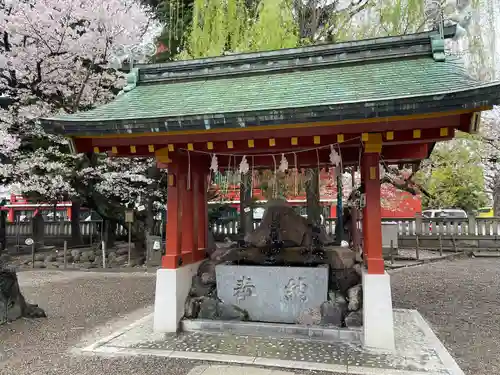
(303, 88)
(361, 79)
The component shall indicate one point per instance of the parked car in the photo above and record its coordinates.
(446, 213)
(485, 212)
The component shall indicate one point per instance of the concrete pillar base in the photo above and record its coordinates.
(172, 288)
(378, 321)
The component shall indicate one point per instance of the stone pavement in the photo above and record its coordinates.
(418, 349)
(236, 370)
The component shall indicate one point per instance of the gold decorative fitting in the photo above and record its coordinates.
(251, 143)
(171, 148)
(171, 180)
(340, 138)
(272, 142)
(364, 137)
(132, 149)
(295, 141)
(96, 150)
(230, 144)
(389, 136)
(373, 173)
(373, 143)
(443, 132)
(317, 139)
(151, 148)
(210, 145)
(417, 133)
(190, 147)
(114, 150)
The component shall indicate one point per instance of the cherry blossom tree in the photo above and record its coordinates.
(55, 58)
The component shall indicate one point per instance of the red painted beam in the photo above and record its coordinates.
(453, 121)
(350, 156)
(284, 144)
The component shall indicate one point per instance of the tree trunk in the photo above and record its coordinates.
(109, 232)
(76, 232)
(312, 197)
(496, 201)
(246, 212)
(3, 230)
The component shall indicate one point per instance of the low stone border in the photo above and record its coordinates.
(283, 330)
(460, 255)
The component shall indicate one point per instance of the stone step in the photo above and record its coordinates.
(273, 330)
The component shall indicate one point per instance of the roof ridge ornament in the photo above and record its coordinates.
(438, 48)
(132, 78)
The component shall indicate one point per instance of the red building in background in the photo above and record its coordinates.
(395, 203)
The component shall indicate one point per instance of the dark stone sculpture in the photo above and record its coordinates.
(12, 303)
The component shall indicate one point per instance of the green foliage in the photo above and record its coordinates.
(219, 27)
(454, 177)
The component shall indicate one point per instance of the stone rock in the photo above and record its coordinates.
(201, 289)
(310, 317)
(358, 268)
(192, 307)
(75, 253)
(111, 255)
(344, 279)
(122, 251)
(39, 264)
(333, 312)
(231, 312)
(208, 309)
(132, 263)
(121, 259)
(213, 309)
(208, 279)
(26, 261)
(211, 247)
(52, 265)
(50, 258)
(87, 256)
(335, 296)
(354, 319)
(87, 265)
(4, 258)
(98, 261)
(341, 258)
(69, 259)
(46, 248)
(40, 257)
(355, 297)
(206, 271)
(225, 255)
(33, 311)
(292, 227)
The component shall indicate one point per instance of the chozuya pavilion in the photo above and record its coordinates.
(380, 100)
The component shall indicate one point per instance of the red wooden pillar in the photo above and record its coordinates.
(372, 217)
(201, 213)
(174, 211)
(188, 243)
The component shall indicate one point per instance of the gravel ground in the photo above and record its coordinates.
(459, 298)
(78, 303)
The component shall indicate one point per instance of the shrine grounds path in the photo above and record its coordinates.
(459, 298)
